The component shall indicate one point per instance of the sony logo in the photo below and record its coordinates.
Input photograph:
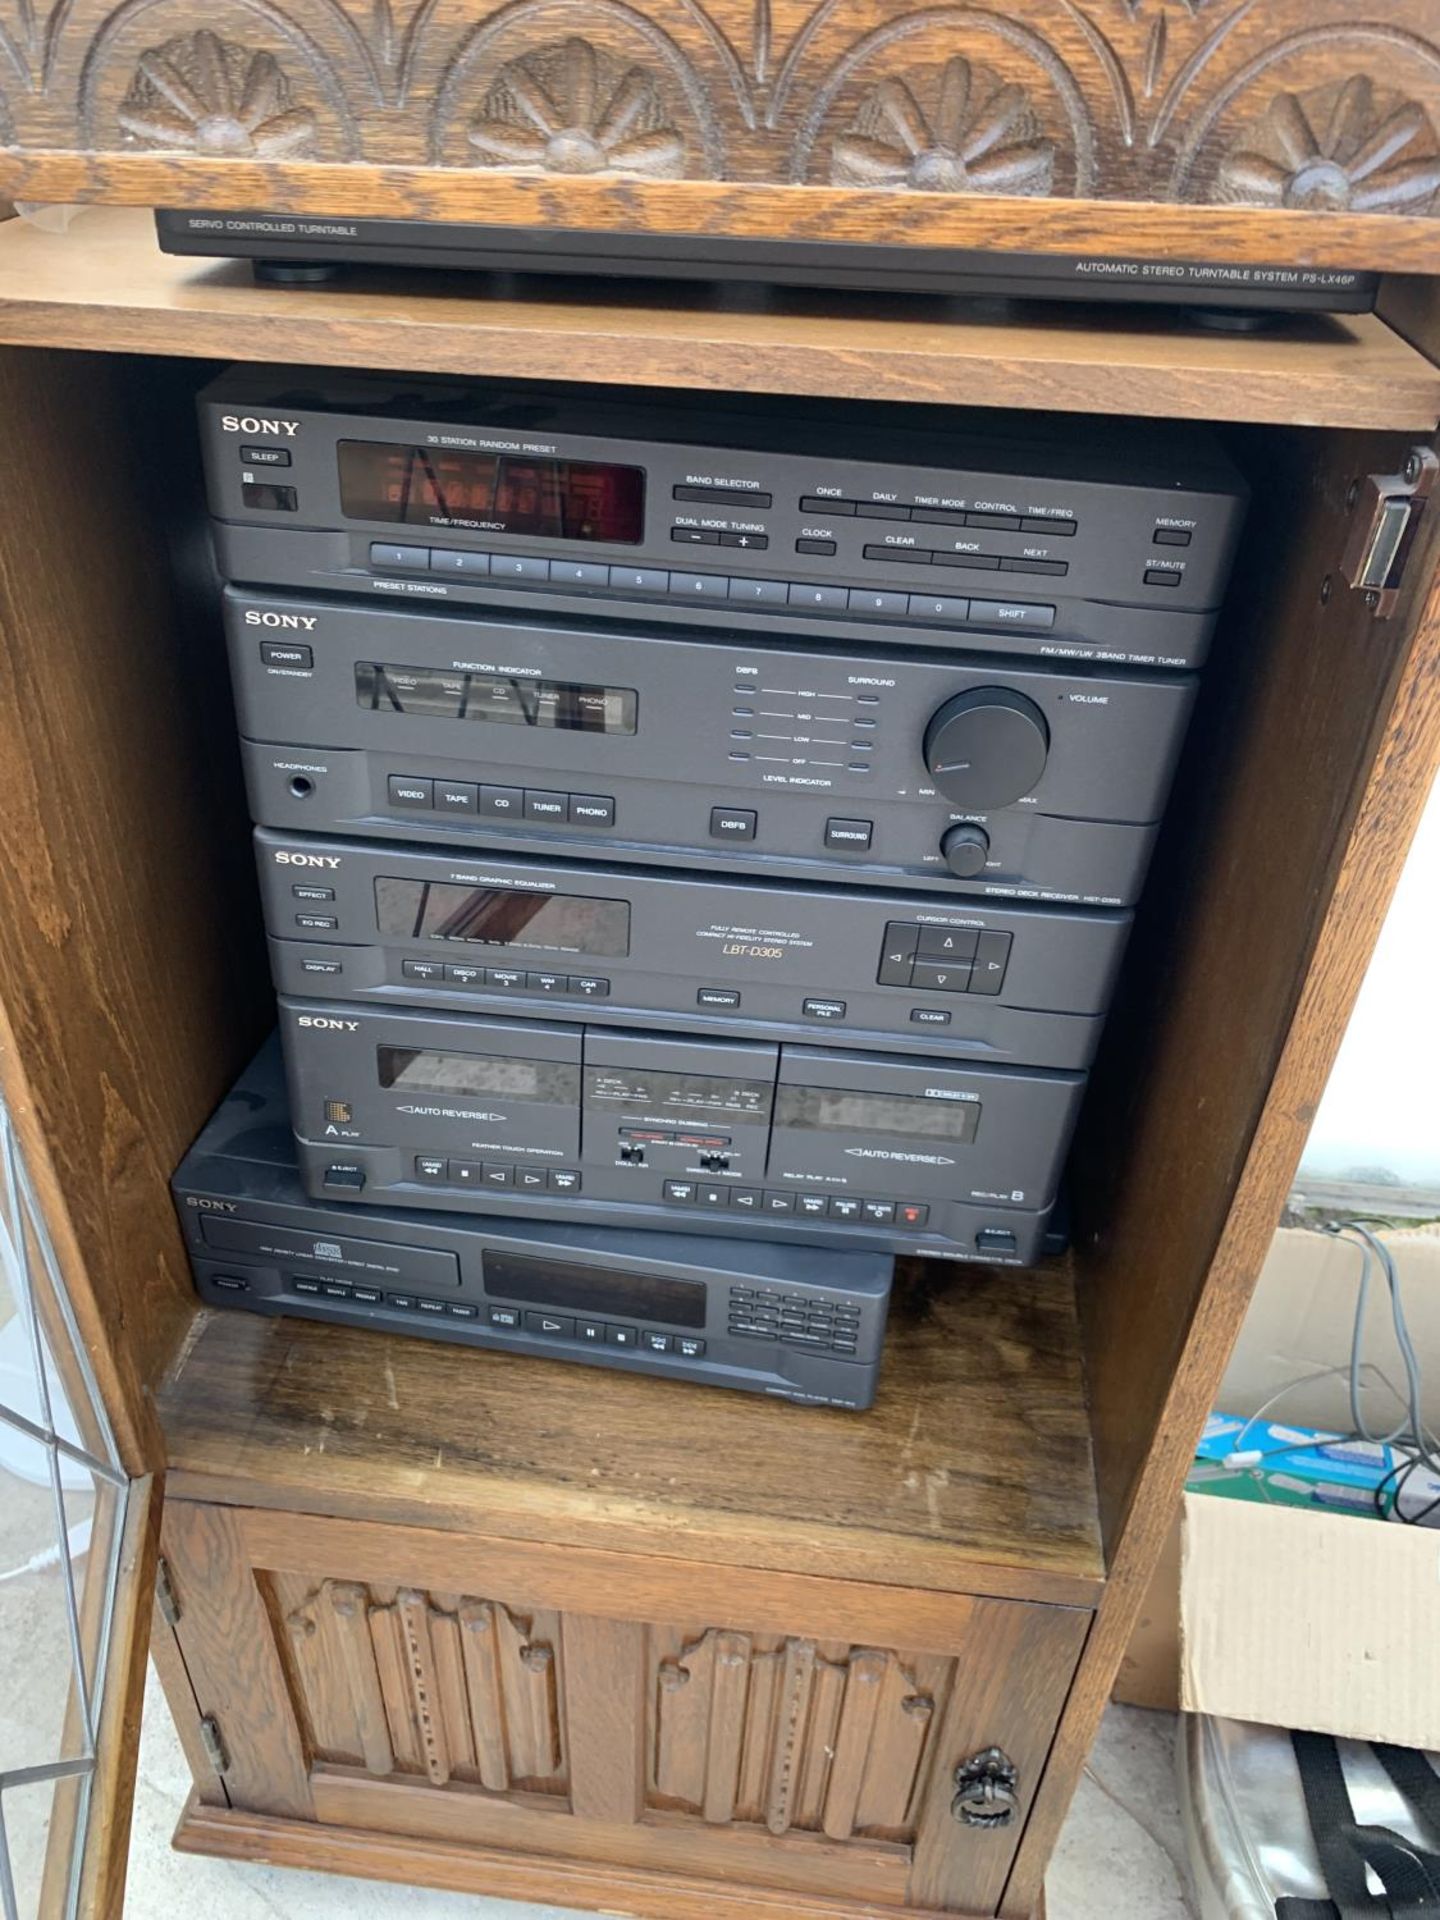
(333, 1026)
(252, 423)
(211, 1206)
(331, 860)
(306, 622)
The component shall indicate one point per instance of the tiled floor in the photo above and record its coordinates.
(1120, 1857)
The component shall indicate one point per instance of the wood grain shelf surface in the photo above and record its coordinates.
(971, 1474)
(105, 285)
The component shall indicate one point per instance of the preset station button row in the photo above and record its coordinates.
(435, 1170)
(805, 1206)
(417, 792)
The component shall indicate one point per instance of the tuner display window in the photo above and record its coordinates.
(831, 1110)
(501, 917)
(566, 706)
(427, 1070)
(595, 1290)
(492, 492)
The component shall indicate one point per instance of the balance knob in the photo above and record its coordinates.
(963, 850)
(987, 747)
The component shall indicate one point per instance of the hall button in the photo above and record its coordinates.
(422, 969)
(849, 836)
(824, 1009)
(732, 823)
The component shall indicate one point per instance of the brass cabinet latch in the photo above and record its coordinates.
(165, 1594)
(1388, 508)
(214, 1744)
(985, 1790)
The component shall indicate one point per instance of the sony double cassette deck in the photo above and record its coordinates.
(721, 825)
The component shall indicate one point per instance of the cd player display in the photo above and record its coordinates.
(622, 1128)
(948, 530)
(402, 925)
(960, 774)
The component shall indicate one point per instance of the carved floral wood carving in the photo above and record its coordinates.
(1309, 104)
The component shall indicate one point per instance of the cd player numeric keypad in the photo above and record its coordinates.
(794, 1320)
(944, 959)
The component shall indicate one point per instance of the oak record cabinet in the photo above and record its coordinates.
(507, 1626)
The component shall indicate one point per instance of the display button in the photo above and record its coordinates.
(992, 956)
(939, 977)
(578, 573)
(938, 606)
(405, 791)
(501, 803)
(622, 1336)
(504, 1316)
(450, 560)
(564, 1180)
(432, 1168)
(680, 1192)
(411, 559)
(842, 1207)
(591, 1330)
(592, 810)
(909, 1213)
(422, 969)
(747, 1199)
(878, 1213)
(640, 579)
(732, 823)
(530, 1179)
(765, 593)
(1162, 577)
(279, 653)
(995, 1240)
(322, 966)
(518, 566)
(542, 805)
(875, 601)
(824, 599)
(849, 836)
(456, 796)
(724, 998)
(930, 1016)
(554, 1326)
(824, 1009)
(589, 986)
(463, 975)
(947, 943)
(265, 456)
(653, 1341)
(821, 547)
(699, 586)
(313, 893)
(688, 1347)
(1172, 536)
(695, 536)
(1012, 613)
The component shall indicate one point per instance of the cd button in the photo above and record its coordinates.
(578, 573)
(404, 791)
(872, 600)
(446, 560)
(947, 943)
(824, 1009)
(546, 806)
(276, 653)
(456, 797)
(422, 969)
(501, 803)
(497, 1176)
(930, 977)
(849, 836)
(412, 559)
(592, 810)
(554, 1326)
(504, 1316)
(722, 997)
(764, 593)
(622, 1336)
(589, 986)
(530, 1179)
(825, 599)
(732, 823)
(518, 566)
(699, 586)
(640, 579)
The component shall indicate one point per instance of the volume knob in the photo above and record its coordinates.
(987, 747)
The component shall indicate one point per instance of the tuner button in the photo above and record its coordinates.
(987, 747)
(964, 849)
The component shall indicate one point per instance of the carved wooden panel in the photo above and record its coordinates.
(1280, 105)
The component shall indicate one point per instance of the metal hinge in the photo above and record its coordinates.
(165, 1593)
(214, 1744)
(1387, 509)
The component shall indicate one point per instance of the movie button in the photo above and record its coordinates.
(504, 1316)
(849, 836)
(264, 456)
(688, 1347)
(1012, 613)
(345, 1175)
(842, 1207)
(518, 566)
(756, 542)
(501, 803)
(1172, 536)
(932, 976)
(432, 1168)
(317, 922)
(458, 1309)
(322, 966)
(822, 547)
(622, 1336)
(369, 1296)
(910, 1214)
(564, 1180)
(995, 1240)
(579, 573)
(713, 1196)
(591, 1330)
(992, 956)
(824, 599)
(824, 1009)
(764, 593)
(874, 600)
(592, 810)
(335, 1289)
(732, 823)
(405, 791)
(493, 1175)
(422, 969)
(450, 560)
(276, 653)
(722, 997)
(878, 1213)
(466, 1173)
(555, 1326)
(947, 943)
(934, 606)
(680, 1193)
(232, 1283)
(464, 976)
(302, 1285)
(695, 536)
(747, 1199)
(545, 982)
(640, 579)
(811, 1205)
(1162, 577)
(540, 805)
(411, 559)
(589, 986)
(530, 1179)
(930, 1016)
(779, 1203)
(506, 979)
(654, 1341)
(456, 796)
(700, 586)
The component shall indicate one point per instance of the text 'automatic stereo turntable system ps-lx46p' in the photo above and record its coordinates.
(699, 824)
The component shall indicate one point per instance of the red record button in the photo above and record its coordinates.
(909, 1214)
